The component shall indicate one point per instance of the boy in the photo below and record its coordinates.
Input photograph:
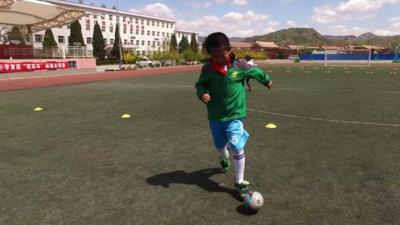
(250, 61)
(221, 87)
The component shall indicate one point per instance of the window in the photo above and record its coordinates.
(137, 32)
(88, 41)
(102, 17)
(138, 52)
(163, 34)
(132, 42)
(142, 42)
(154, 33)
(154, 43)
(38, 38)
(142, 22)
(152, 23)
(148, 22)
(162, 25)
(124, 19)
(158, 24)
(105, 40)
(167, 25)
(136, 21)
(143, 52)
(148, 43)
(111, 29)
(94, 16)
(124, 29)
(61, 39)
(158, 33)
(131, 30)
(110, 17)
(125, 42)
(167, 34)
(142, 32)
(137, 42)
(103, 28)
(111, 41)
(148, 33)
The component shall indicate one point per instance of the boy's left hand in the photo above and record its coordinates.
(269, 85)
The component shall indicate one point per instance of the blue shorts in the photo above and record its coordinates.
(230, 132)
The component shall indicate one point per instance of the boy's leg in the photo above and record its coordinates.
(238, 137)
(220, 142)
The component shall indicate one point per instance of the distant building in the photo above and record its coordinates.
(245, 46)
(140, 33)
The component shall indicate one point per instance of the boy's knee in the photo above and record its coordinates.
(237, 148)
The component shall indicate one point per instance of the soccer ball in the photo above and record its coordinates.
(253, 201)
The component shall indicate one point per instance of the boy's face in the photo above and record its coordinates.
(220, 57)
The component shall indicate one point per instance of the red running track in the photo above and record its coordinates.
(58, 80)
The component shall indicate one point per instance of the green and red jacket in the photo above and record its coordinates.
(228, 94)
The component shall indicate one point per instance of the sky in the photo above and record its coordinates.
(243, 18)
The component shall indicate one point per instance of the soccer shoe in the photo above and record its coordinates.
(225, 164)
(243, 188)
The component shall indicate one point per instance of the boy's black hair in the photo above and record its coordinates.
(217, 41)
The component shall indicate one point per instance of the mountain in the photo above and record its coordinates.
(291, 36)
(368, 36)
(310, 37)
(236, 39)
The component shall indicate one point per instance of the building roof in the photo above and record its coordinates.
(98, 8)
(372, 47)
(296, 47)
(185, 31)
(34, 15)
(240, 45)
(332, 48)
(265, 44)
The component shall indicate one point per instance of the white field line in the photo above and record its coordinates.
(326, 120)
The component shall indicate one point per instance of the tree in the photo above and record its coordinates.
(115, 53)
(183, 44)
(48, 41)
(76, 34)
(193, 43)
(98, 42)
(3, 34)
(173, 43)
(16, 35)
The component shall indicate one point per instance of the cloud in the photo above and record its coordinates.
(344, 30)
(291, 23)
(240, 2)
(232, 23)
(198, 5)
(348, 10)
(157, 9)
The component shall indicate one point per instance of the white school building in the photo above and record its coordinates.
(140, 33)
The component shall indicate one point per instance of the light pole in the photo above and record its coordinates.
(119, 39)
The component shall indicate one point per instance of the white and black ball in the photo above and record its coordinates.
(253, 201)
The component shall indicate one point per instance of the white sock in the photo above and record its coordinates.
(239, 160)
(224, 153)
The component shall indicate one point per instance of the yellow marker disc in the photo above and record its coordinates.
(270, 126)
(126, 116)
(37, 109)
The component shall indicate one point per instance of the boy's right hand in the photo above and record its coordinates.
(206, 98)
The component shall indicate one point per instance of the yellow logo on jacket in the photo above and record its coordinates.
(235, 74)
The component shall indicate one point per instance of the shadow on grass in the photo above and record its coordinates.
(200, 178)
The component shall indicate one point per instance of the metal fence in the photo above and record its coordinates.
(63, 52)
(319, 57)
